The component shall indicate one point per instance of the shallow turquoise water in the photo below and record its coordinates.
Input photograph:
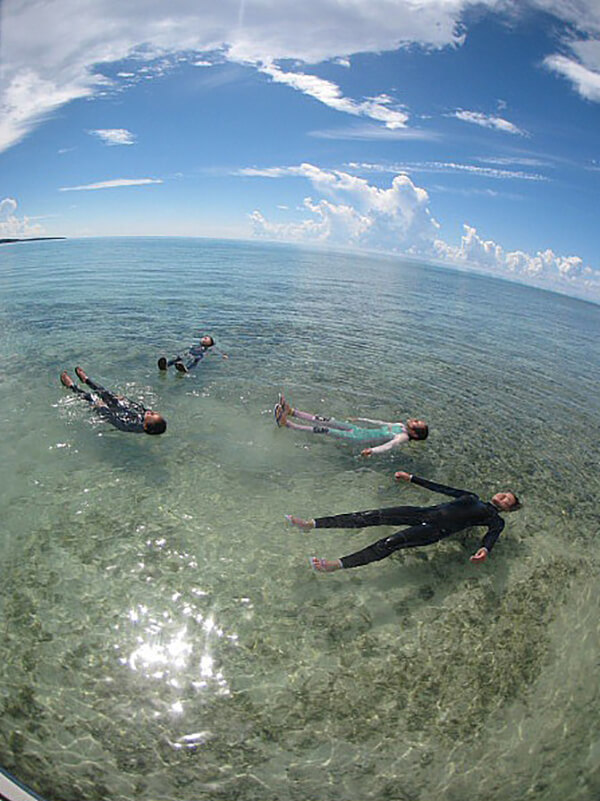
(162, 634)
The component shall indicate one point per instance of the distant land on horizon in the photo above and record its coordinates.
(29, 239)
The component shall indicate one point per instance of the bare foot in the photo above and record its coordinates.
(66, 380)
(325, 565)
(299, 522)
(81, 375)
(280, 415)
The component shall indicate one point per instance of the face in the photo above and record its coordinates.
(150, 417)
(413, 423)
(504, 501)
(206, 341)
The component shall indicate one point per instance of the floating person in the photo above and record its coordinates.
(388, 435)
(119, 411)
(427, 524)
(194, 355)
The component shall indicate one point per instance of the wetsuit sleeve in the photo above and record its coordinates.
(492, 533)
(431, 485)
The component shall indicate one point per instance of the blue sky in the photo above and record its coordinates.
(460, 132)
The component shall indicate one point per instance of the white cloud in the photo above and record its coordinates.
(449, 166)
(544, 268)
(586, 81)
(114, 136)
(353, 213)
(115, 183)
(489, 121)
(328, 93)
(52, 50)
(368, 132)
(13, 227)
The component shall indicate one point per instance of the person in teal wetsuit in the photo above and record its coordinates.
(381, 436)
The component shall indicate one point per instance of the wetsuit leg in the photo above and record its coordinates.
(413, 537)
(316, 418)
(171, 362)
(107, 396)
(84, 395)
(392, 516)
(193, 362)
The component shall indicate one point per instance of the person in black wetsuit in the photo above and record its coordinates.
(427, 524)
(119, 411)
(195, 354)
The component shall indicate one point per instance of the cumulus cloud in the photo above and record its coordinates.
(13, 227)
(397, 219)
(544, 268)
(53, 50)
(355, 212)
(114, 136)
(489, 121)
(114, 184)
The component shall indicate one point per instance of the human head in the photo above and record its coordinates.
(207, 341)
(506, 501)
(154, 423)
(417, 429)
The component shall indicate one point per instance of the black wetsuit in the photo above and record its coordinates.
(122, 413)
(428, 524)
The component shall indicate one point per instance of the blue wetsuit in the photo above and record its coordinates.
(428, 524)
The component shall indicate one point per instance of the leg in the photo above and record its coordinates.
(109, 398)
(414, 537)
(312, 418)
(164, 363)
(392, 516)
(316, 418)
(68, 382)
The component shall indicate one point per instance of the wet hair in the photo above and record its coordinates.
(419, 432)
(156, 426)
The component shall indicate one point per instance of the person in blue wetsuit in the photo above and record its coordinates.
(193, 356)
(427, 524)
(119, 411)
(380, 435)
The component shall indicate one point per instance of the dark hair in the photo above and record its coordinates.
(212, 340)
(156, 426)
(419, 432)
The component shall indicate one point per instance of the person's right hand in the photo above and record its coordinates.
(402, 475)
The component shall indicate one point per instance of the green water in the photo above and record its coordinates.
(162, 636)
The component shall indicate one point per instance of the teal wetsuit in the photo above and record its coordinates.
(361, 434)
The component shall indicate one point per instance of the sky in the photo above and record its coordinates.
(463, 133)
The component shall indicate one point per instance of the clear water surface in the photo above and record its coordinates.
(162, 635)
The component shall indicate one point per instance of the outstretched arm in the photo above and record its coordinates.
(401, 475)
(399, 439)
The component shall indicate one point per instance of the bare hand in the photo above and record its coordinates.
(402, 475)
(225, 356)
(480, 556)
(367, 452)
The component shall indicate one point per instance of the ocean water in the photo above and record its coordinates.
(161, 633)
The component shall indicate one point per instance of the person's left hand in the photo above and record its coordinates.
(480, 556)
(367, 452)
(225, 356)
